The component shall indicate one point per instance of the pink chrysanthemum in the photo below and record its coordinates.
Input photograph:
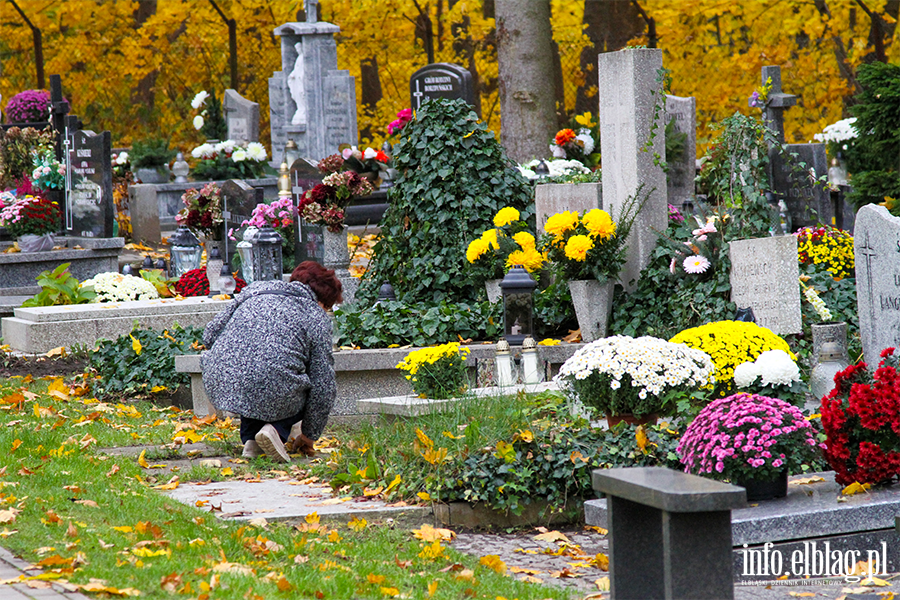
(696, 264)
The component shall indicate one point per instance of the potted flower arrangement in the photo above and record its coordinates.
(437, 372)
(590, 249)
(508, 244)
(229, 160)
(861, 419)
(209, 120)
(203, 211)
(731, 343)
(32, 220)
(372, 164)
(577, 145)
(827, 247)
(196, 283)
(115, 287)
(753, 441)
(150, 160)
(280, 216)
(30, 106)
(635, 379)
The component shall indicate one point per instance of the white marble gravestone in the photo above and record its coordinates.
(242, 117)
(876, 244)
(628, 79)
(310, 100)
(765, 276)
(682, 170)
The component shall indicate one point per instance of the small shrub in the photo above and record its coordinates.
(59, 287)
(144, 360)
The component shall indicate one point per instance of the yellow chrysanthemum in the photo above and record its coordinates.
(599, 223)
(490, 236)
(560, 223)
(578, 246)
(476, 249)
(525, 240)
(505, 216)
(531, 259)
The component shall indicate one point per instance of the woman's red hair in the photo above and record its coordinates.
(321, 281)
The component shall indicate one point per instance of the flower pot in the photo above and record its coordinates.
(492, 287)
(650, 419)
(160, 175)
(337, 256)
(35, 243)
(593, 305)
(765, 489)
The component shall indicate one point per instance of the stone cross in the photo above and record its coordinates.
(312, 10)
(777, 101)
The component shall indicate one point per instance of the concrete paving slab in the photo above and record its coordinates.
(286, 500)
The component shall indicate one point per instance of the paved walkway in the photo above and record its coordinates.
(13, 568)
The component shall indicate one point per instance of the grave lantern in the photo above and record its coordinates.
(227, 284)
(542, 170)
(266, 254)
(245, 251)
(518, 305)
(291, 152)
(531, 364)
(386, 292)
(284, 180)
(503, 364)
(184, 252)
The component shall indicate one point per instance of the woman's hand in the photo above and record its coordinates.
(303, 445)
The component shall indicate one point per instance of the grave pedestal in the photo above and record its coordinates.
(552, 198)
(88, 257)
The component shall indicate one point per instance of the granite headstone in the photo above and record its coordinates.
(240, 198)
(310, 238)
(310, 100)
(242, 117)
(765, 276)
(441, 80)
(876, 244)
(808, 201)
(682, 113)
(629, 90)
(90, 211)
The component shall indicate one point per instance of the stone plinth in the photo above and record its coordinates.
(44, 328)
(153, 206)
(765, 277)
(552, 198)
(87, 257)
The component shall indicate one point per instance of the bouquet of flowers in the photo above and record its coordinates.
(570, 145)
(364, 161)
(48, 173)
(403, 117)
(115, 287)
(731, 343)
(508, 244)
(639, 376)
(121, 164)
(828, 248)
(698, 256)
(30, 106)
(747, 437)
(195, 283)
(209, 120)
(30, 215)
(279, 214)
(229, 160)
(861, 419)
(437, 372)
(203, 211)
(324, 204)
(838, 136)
(589, 245)
(773, 373)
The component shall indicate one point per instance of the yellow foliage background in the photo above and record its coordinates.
(713, 49)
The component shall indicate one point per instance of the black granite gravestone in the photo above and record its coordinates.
(808, 200)
(310, 239)
(240, 198)
(441, 80)
(89, 208)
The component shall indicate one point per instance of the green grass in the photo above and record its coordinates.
(69, 500)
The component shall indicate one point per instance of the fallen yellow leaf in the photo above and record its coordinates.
(390, 592)
(227, 471)
(640, 437)
(430, 534)
(552, 536)
(602, 584)
(142, 460)
(135, 345)
(855, 488)
(493, 562)
(806, 480)
(357, 524)
(432, 588)
(376, 579)
(518, 570)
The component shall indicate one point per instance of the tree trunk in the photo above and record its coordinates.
(610, 24)
(464, 47)
(524, 56)
(371, 88)
(143, 93)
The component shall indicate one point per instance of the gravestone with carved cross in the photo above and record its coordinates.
(876, 244)
(795, 181)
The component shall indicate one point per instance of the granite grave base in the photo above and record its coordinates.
(87, 257)
(814, 512)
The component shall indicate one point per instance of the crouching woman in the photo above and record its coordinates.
(269, 360)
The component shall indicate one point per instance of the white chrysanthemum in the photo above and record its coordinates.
(256, 151)
(843, 130)
(777, 368)
(557, 151)
(239, 155)
(198, 122)
(818, 304)
(114, 287)
(527, 173)
(745, 374)
(587, 142)
(122, 158)
(227, 146)
(199, 99)
(204, 151)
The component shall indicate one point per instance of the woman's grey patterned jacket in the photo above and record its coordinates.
(269, 356)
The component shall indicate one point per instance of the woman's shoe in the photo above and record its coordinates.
(251, 449)
(270, 442)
